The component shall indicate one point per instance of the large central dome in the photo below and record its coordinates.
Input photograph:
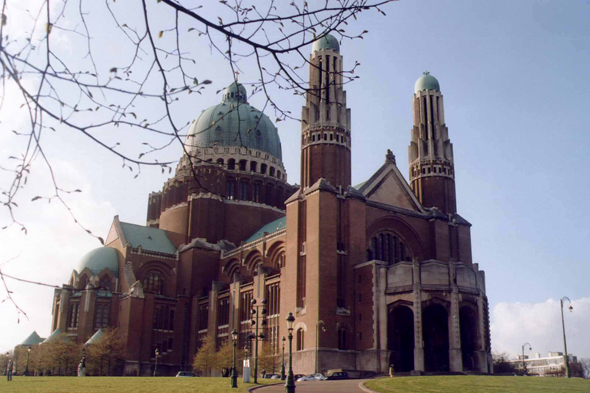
(234, 122)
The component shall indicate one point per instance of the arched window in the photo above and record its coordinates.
(105, 283)
(243, 164)
(271, 171)
(220, 161)
(153, 282)
(278, 174)
(263, 168)
(83, 282)
(269, 188)
(253, 166)
(243, 191)
(231, 164)
(300, 339)
(388, 247)
(230, 189)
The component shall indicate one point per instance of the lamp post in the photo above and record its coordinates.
(27, 365)
(157, 353)
(234, 374)
(283, 364)
(290, 384)
(571, 308)
(524, 371)
(257, 336)
(317, 340)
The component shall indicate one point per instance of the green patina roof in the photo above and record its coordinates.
(99, 259)
(274, 226)
(326, 42)
(52, 336)
(235, 123)
(152, 239)
(426, 82)
(94, 338)
(33, 339)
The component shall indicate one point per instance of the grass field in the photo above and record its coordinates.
(123, 385)
(483, 384)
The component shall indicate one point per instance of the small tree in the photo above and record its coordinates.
(268, 361)
(61, 355)
(106, 352)
(585, 362)
(502, 363)
(576, 370)
(206, 357)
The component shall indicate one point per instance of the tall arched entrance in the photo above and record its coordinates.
(436, 338)
(400, 338)
(468, 321)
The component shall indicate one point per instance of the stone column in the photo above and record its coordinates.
(455, 355)
(418, 338)
(482, 358)
(383, 353)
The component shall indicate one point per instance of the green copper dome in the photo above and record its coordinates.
(326, 42)
(426, 82)
(235, 123)
(99, 259)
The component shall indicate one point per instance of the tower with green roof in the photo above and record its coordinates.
(432, 173)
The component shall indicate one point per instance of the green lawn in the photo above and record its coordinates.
(123, 384)
(468, 384)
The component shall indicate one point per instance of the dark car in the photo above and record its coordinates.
(297, 376)
(337, 375)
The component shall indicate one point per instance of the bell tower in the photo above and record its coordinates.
(432, 173)
(325, 125)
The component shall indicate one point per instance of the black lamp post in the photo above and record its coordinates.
(283, 364)
(27, 365)
(290, 384)
(257, 336)
(157, 353)
(524, 371)
(571, 308)
(234, 374)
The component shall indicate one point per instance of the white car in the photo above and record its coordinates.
(312, 377)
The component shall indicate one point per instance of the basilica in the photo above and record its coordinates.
(375, 274)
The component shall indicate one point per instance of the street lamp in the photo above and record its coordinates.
(234, 374)
(27, 365)
(157, 353)
(290, 384)
(524, 371)
(571, 308)
(283, 365)
(317, 341)
(256, 336)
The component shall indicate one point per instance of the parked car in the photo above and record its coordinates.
(337, 375)
(297, 376)
(312, 377)
(185, 374)
(276, 376)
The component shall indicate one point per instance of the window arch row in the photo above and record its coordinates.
(388, 246)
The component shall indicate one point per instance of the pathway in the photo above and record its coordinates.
(347, 386)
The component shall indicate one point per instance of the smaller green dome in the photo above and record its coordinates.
(326, 42)
(426, 82)
(33, 339)
(99, 259)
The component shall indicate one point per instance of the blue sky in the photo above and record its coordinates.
(516, 80)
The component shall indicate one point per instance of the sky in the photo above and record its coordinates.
(516, 83)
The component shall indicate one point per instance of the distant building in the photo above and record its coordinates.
(553, 364)
(384, 267)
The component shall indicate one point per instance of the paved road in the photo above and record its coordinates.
(348, 386)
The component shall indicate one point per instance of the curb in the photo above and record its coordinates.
(253, 388)
(366, 389)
